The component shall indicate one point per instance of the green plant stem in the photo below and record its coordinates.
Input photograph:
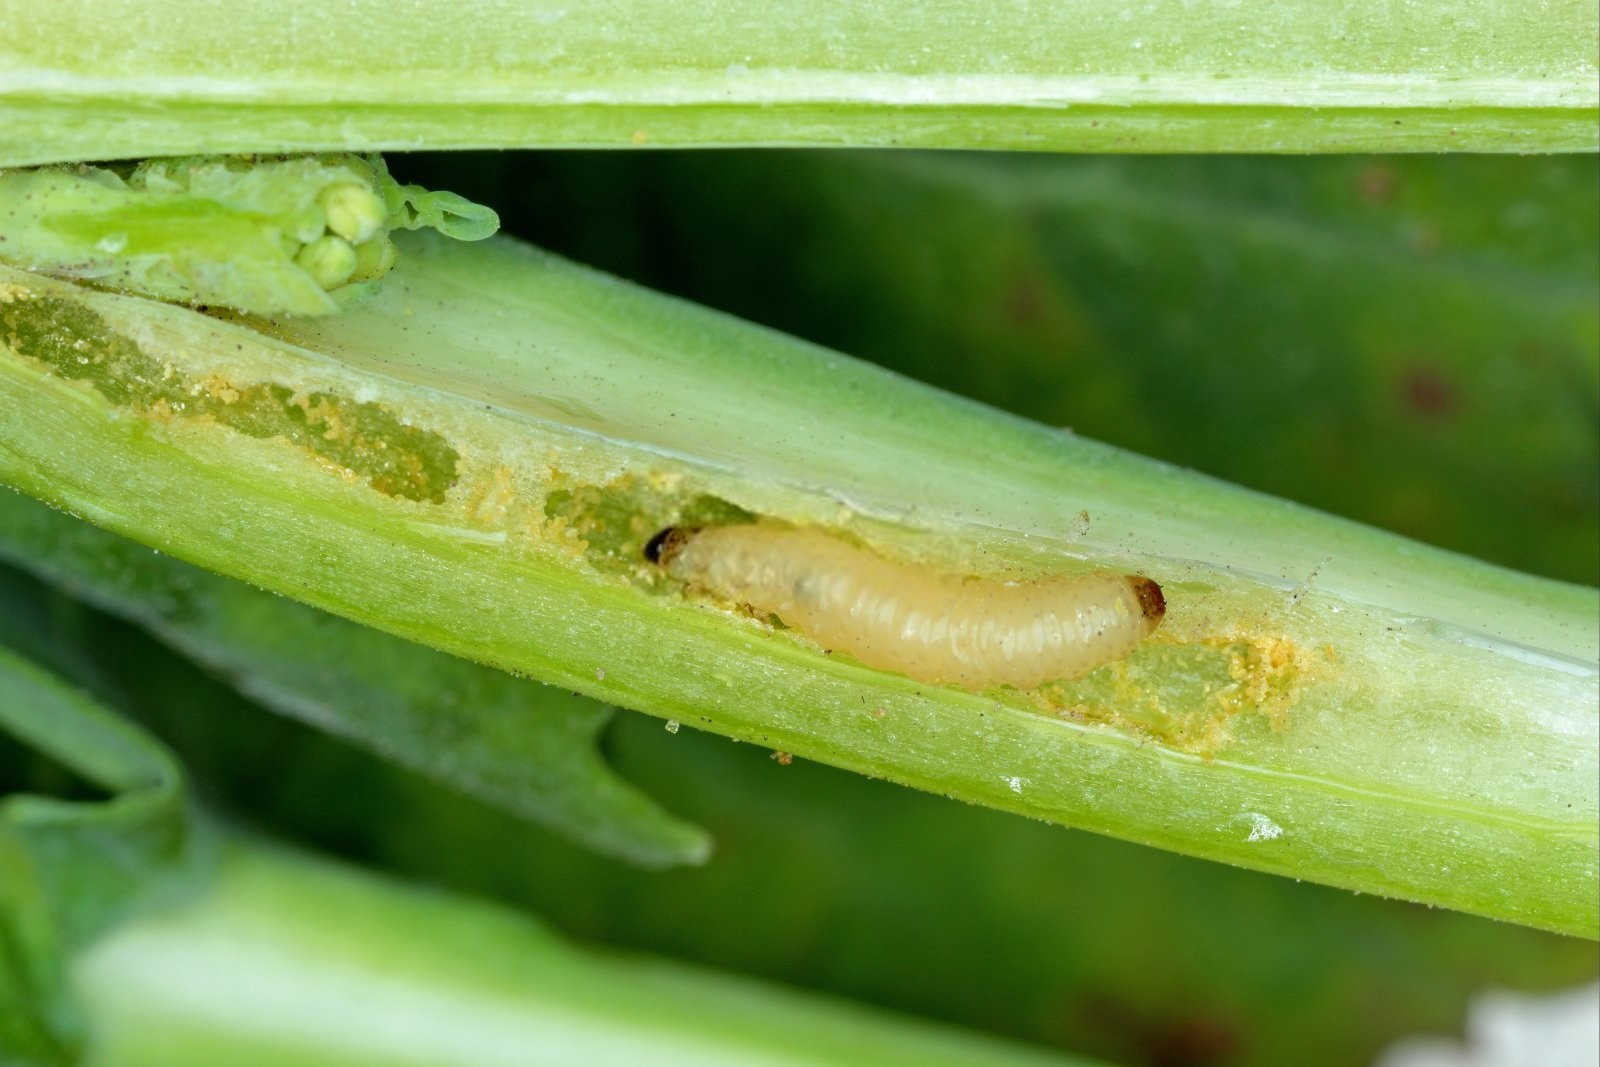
(1091, 75)
(1323, 700)
(285, 959)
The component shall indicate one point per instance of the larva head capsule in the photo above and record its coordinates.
(668, 543)
(1152, 604)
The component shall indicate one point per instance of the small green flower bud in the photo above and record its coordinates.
(353, 212)
(329, 260)
(374, 259)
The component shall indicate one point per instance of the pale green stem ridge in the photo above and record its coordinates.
(474, 456)
(1090, 75)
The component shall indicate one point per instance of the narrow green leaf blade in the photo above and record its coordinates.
(290, 959)
(71, 868)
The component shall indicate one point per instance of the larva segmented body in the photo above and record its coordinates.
(893, 616)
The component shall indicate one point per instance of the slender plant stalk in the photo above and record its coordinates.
(285, 959)
(475, 456)
(1087, 75)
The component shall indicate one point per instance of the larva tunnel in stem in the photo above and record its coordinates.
(476, 455)
(933, 627)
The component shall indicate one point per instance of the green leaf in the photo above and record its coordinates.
(70, 868)
(267, 236)
(1169, 75)
(288, 959)
(475, 456)
(526, 748)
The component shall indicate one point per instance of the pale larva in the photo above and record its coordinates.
(938, 628)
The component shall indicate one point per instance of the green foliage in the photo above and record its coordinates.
(72, 866)
(473, 452)
(348, 970)
(526, 748)
(334, 960)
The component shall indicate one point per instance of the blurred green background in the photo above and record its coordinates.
(1412, 342)
(1408, 341)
